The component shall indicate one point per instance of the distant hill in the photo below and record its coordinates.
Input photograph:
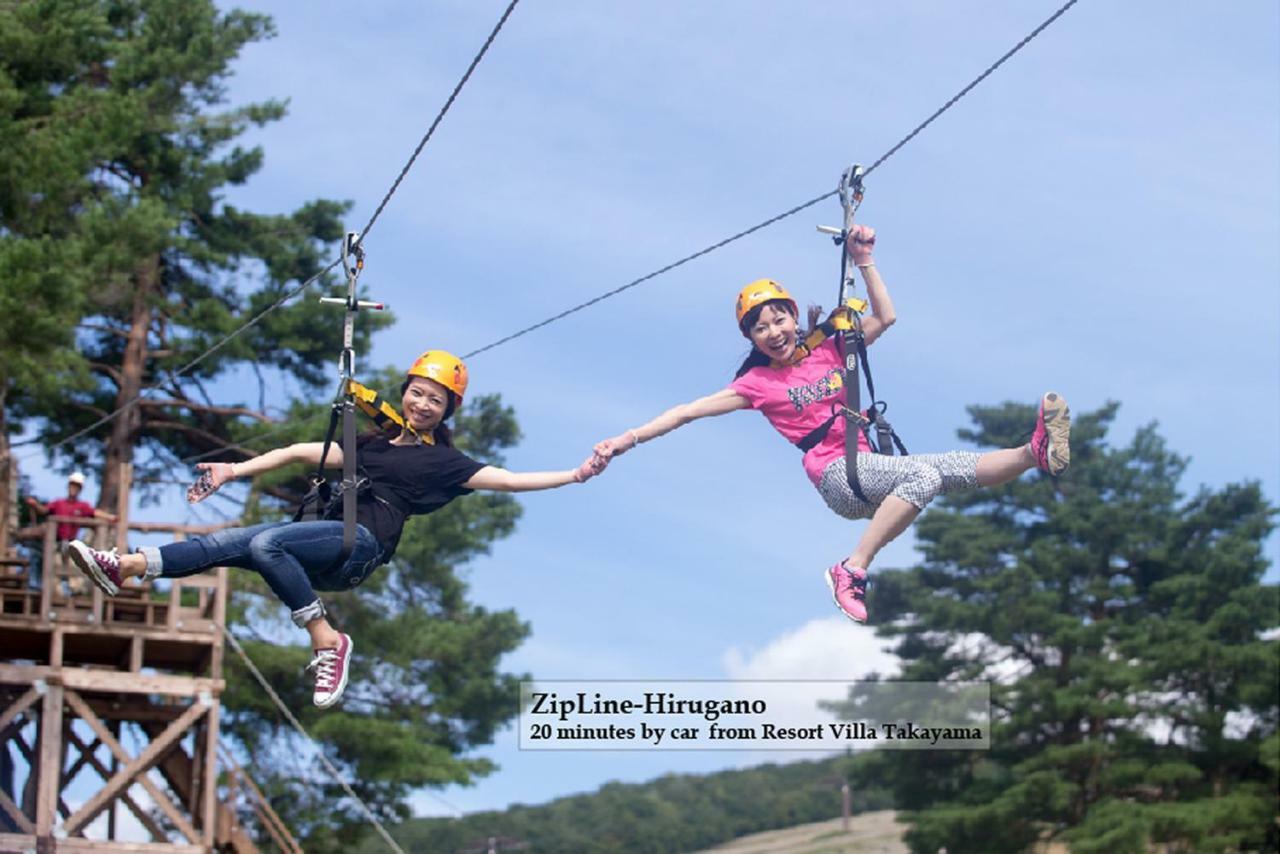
(868, 833)
(675, 812)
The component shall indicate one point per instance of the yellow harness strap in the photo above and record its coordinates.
(838, 321)
(382, 412)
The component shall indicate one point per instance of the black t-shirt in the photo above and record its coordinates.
(421, 478)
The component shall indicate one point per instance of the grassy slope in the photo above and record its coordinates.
(869, 833)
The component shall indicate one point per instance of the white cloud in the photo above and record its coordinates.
(830, 648)
(807, 666)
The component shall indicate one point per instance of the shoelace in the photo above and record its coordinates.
(858, 586)
(324, 664)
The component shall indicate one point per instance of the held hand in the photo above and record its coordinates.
(213, 476)
(862, 239)
(617, 446)
(591, 467)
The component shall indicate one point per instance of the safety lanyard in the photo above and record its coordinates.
(345, 401)
(852, 347)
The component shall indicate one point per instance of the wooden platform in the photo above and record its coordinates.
(78, 670)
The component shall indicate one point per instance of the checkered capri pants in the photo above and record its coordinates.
(916, 479)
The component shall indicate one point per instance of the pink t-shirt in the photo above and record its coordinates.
(797, 400)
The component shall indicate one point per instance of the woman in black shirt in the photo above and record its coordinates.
(412, 473)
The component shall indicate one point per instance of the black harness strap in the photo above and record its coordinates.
(350, 483)
(852, 349)
(316, 503)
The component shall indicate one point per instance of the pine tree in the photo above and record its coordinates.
(1125, 628)
(121, 259)
(175, 267)
(48, 139)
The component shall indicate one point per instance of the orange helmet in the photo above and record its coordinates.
(443, 367)
(762, 291)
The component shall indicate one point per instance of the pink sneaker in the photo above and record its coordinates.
(1051, 441)
(330, 667)
(102, 568)
(849, 589)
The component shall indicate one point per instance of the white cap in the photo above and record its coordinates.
(76, 477)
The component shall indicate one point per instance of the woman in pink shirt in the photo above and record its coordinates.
(794, 388)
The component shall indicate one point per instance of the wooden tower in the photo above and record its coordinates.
(110, 705)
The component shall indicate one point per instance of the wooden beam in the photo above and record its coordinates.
(124, 485)
(179, 771)
(47, 579)
(138, 812)
(18, 842)
(23, 703)
(135, 768)
(49, 760)
(86, 752)
(271, 820)
(108, 680)
(27, 751)
(204, 635)
(209, 809)
(112, 814)
(111, 709)
(19, 818)
(30, 756)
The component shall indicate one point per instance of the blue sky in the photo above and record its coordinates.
(1099, 217)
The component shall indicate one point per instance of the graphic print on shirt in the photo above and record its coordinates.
(828, 385)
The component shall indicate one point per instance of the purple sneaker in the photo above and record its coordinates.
(102, 568)
(849, 589)
(330, 667)
(1051, 441)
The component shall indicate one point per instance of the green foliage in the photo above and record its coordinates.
(676, 812)
(1124, 626)
(118, 150)
(121, 261)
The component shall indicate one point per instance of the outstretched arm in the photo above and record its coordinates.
(214, 475)
(501, 480)
(724, 401)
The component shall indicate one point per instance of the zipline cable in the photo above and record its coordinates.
(766, 223)
(440, 116)
(741, 234)
(227, 339)
(306, 284)
(297, 725)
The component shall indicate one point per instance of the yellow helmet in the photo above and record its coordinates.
(443, 367)
(762, 291)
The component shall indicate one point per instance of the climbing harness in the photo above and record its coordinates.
(350, 395)
(851, 344)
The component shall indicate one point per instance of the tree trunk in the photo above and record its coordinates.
(9, 520)
(126, 427)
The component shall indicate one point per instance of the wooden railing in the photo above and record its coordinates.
(62, 594)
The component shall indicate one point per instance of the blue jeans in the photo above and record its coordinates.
(295, 558)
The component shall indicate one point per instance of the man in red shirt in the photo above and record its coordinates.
(68, 531)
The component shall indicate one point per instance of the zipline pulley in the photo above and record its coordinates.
(344, 409)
